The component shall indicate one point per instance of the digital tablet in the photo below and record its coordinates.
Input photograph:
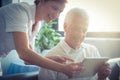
(92, 66)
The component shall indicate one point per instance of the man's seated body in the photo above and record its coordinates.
(72, 46)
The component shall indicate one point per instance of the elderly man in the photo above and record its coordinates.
(72, 46)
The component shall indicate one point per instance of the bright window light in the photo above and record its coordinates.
(103, 17)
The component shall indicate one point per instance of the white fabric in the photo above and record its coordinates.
(16, 17)
(62, 49)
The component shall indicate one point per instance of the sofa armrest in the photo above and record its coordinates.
(21, 76)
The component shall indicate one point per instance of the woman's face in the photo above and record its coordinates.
(48, 11)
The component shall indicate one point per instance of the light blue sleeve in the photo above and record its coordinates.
(16, 18)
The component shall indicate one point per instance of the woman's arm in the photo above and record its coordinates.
(28, 55)
(25, 61)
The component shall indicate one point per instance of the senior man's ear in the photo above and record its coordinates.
(65, 26)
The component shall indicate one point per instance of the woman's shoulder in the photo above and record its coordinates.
(24, 4)
(15, 7)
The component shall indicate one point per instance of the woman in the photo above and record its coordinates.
(19, 24)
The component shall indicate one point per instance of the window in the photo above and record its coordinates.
(104, 15)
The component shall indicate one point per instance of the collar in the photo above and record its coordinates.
(68, 49)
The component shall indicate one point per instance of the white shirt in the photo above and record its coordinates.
(63, 49)
(16, 17)
(85, 50)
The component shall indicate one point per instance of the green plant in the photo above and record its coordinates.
(47, 36)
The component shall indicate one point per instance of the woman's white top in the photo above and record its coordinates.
(18, 17)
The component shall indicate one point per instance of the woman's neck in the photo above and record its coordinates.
(36, 24)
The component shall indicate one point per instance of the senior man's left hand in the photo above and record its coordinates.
(104, 71)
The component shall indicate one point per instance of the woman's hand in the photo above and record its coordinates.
(71, 69)
(60, 59)
(104, 72)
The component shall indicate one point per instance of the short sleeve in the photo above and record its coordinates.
(93, 49)
(16, 18)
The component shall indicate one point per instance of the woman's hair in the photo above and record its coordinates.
(60, 1)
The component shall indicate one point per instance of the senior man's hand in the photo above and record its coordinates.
(104, 71)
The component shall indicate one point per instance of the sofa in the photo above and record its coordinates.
(115, 75)
(107, 47)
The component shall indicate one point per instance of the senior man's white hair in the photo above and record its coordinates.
(77, 15)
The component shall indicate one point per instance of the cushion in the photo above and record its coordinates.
(20, 68)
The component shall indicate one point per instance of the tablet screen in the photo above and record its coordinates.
(92, 66)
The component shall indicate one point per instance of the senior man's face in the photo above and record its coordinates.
(76, 32)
